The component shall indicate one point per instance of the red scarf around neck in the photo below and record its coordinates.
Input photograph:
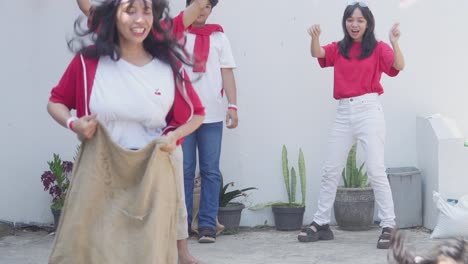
(202, 44)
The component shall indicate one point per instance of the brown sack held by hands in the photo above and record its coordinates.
(121, 207)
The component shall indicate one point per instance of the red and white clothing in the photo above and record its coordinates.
(135, 104)
(359, 117)
(132, 102)
(355, 77)
(209, 84)
(71, 92)
(75, 93)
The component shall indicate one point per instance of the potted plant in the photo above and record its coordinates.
(289, 215)
(354, 202)
(229, 213)
(56, 182)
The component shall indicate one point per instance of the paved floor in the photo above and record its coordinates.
(246, 247)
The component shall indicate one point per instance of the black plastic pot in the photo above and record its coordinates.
(56, 214)
(354, 208)
(230, 216)
(288, 218)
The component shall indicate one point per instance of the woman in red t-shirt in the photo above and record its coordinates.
(359, 61)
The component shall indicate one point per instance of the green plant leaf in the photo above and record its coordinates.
(345, 182)
(286, 171)
(293, 186)
(264, 205)
(223, 191)
(356, 179)
(226, 197)
(248, 189)
(364, 180)
(353, 177)
(302, 175)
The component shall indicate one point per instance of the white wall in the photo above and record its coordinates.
(34, 55)
(284, 97)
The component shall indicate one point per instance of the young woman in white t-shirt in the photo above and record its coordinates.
(134, 79)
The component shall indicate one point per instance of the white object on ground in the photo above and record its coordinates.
(453, 218)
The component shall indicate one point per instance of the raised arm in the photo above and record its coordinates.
(399, 62)
(192, 11)
(85, 6)
(315, 49)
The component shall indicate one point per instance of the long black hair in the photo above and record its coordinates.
(368, 43)
(103, 35)
(456, 249)
(213, 3)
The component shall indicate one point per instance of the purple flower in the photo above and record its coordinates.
(48, 179)
(67, 166)
(56, 180)
(55, 192)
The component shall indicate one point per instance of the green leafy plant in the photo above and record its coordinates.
(56, 180)
(353, 177)
(225, 196)
(290, 182)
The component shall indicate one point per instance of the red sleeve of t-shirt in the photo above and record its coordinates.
(331, 51)
(178, 28)
(64, 92)
(387, 59)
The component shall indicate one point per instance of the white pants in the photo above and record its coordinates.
(358, 118)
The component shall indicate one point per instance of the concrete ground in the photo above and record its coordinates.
(253, 246)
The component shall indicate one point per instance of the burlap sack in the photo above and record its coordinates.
(196, 207)
(121, 207)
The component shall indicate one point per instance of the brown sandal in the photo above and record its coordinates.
(384, 238)
(321, 232)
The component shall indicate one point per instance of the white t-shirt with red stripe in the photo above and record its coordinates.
(132, 102)
(209, 84)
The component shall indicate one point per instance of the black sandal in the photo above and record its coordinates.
(206, 235)
(384, 238)
(323, 233)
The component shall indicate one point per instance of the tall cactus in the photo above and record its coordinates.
(286, 171)
(302, 175)
(293, 186)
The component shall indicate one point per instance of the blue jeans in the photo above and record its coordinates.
(207, 138)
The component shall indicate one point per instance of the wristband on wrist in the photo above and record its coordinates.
(70, 122)
(232, 107)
